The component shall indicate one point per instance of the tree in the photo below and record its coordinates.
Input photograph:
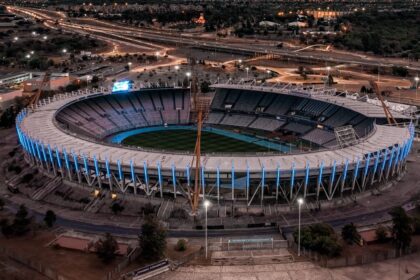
(330, 80)
(401, 228)
(6, 228)
(152, 240)
(349, 233)
(381, 234)
(50, 218)
(400, 71)
(320, 238)
(416, 225)
(106, 249)
(21, 222)
(95, 79)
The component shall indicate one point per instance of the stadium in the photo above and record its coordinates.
(259, 144)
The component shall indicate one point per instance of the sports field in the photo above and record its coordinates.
(184, 140)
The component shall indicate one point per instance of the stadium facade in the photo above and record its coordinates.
(66, 136)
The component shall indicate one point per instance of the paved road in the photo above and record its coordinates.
(144, 36)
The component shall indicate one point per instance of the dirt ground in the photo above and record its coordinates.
(70, 264)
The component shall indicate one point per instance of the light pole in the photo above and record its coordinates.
(247, 71)
(129, 65)
(300, 202)
(206, 206)
(328, 70)
(188, 74)
(177, 71)
(417, 79)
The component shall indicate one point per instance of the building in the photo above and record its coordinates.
(56, 81)
(7, 98)
(15, 78)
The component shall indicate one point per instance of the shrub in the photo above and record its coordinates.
(181, 245)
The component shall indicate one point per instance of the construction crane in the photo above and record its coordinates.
(199, 113)
(388, 113)
(35, 98)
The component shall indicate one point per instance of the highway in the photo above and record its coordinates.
(158, 40)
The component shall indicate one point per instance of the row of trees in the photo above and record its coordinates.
(16, 52)
(322, 238)
(21, 224)
(152, 242)
(385, 33)
(152, 239)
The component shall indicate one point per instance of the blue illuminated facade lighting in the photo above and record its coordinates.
(120, 173)
(133, 175)
(108, 170)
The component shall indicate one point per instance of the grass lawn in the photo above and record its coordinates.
(184, 140)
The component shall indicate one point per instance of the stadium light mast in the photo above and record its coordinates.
(300, 202)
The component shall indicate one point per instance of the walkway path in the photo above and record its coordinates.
(406, 268)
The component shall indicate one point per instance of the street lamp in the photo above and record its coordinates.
(240, 61)
(328, 70)
(417, 79)
(45, 37)
(28, 56)
(188, 74)
(206, 206)
(15, 38)
(300, 202)
(32, 52)
(176, 67)
(64, 50)
(247, 71)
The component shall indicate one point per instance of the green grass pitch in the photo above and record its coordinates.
(184, 140)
